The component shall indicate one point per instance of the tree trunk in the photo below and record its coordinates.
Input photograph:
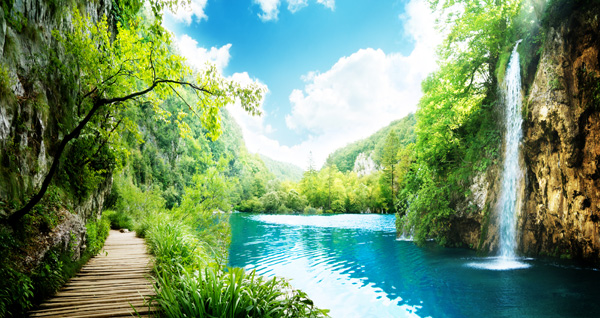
(15, 217)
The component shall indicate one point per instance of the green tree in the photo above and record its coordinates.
(389, 160)
(272, 202)
(113, 72)
(295, 201)
(204, 202)
(457, 133)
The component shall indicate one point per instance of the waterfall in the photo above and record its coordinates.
(511, 173)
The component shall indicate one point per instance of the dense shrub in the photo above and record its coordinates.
(191, 281)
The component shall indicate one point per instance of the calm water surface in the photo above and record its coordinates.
(354, 266)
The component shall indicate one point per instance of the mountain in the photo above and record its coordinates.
(282, 170)
(346, 158)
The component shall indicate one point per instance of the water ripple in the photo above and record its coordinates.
(358, 272)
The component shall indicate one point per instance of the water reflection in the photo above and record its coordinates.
(366, 272)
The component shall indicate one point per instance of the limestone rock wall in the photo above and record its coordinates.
(561, 211)
(36, 114)
(559, 201)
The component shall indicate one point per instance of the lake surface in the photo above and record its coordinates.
(354, 266)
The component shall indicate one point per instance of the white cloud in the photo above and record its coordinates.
(186, 12)
(249, 124)
(327, 3)
(270, 9)
(369, 88)
(360, 94)
(198, 56)
(295, 5)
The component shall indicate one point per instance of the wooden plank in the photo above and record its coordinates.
(107, 277)
(105, 313)
(105, 292)
(105, 282)
(108, 285)
(111, 285)
(58, 302)
(88, 307)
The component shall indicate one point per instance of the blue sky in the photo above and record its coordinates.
(336, 71)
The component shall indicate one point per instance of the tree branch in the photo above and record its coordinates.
(15, 217)
(89, 159)
(98, 103)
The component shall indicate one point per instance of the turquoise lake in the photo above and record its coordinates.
(354, 266)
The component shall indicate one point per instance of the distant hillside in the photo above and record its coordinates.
(283, 170)
(344, 158)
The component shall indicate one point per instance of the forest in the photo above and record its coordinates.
(134, 119)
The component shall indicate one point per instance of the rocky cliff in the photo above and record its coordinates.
(36, 110)
(561, 210)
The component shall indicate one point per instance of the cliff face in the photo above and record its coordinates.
(559, 201)
(561, 212)
(36, 111)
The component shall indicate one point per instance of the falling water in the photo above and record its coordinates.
(512, 170)
(511, 174)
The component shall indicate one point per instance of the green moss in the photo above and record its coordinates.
(555, 83)
(525, 109)
(502, 65)
(485, 224)
(5, 90)
(566, 256)
(588, 88)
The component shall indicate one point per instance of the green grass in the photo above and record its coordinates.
(191, 282)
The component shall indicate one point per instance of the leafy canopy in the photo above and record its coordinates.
(140, 65)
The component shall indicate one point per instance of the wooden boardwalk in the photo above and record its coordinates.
(108, 285)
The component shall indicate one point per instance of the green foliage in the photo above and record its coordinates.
(16, 288)
(105, 66)
(174, 245)
(84, 171)
(389, 161)
(251, 205)
(135, 203)
(231, 292)
(15, 19)
(5, 89)
(333, 191)
(16, 292)
(21, 289)
(344, 158)
(283, 171)
(588, 88)
(50, 275)
(272, 202)
(457, 124)
(203, 207)
(118, 219)
(190, 284)
(96, 234)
